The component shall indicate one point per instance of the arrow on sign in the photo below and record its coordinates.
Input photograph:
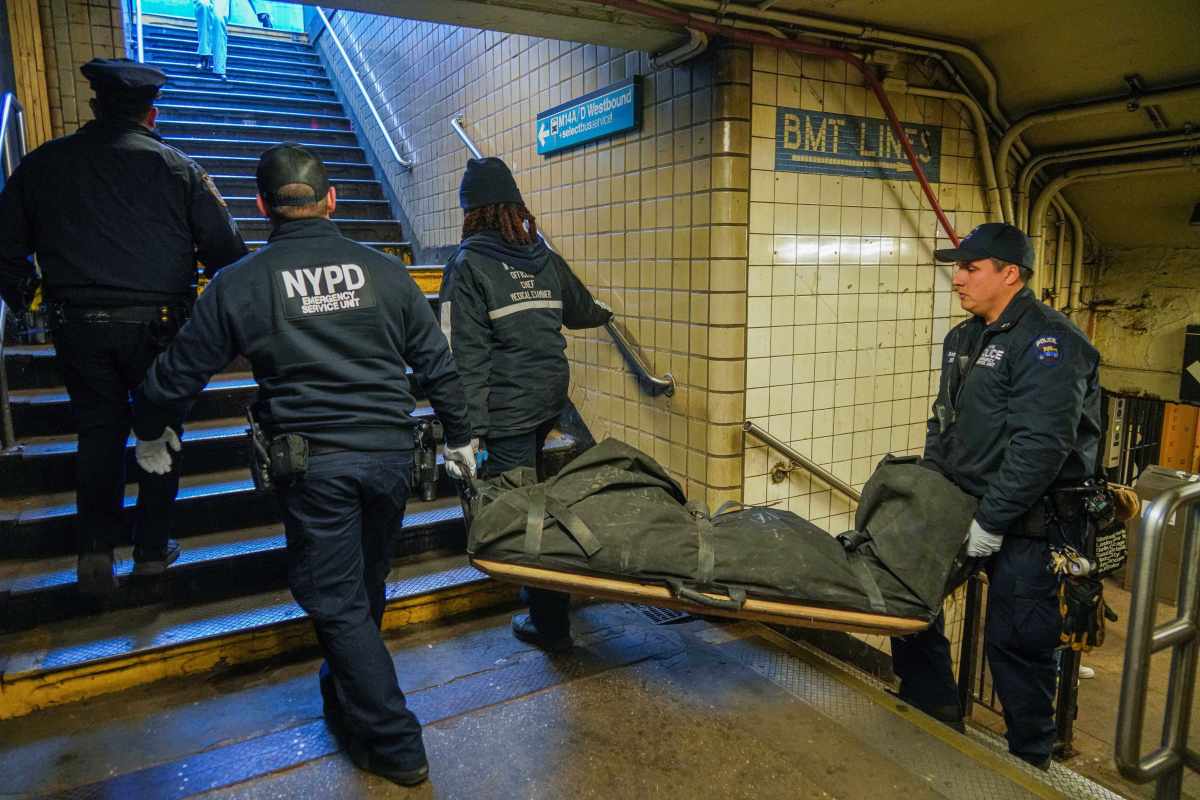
(1194, 370)
(543, 132)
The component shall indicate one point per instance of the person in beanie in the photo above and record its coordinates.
(117, 219)
(504, 301)
(328, 326)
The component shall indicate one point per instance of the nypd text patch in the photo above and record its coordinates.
(990, 356)
(309, 291)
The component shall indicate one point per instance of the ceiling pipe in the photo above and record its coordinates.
(696, 44)
(1024, 182)
(1037, 221)
(1060, 224)
(1075, 286)
(1107, 106)
(753, 37)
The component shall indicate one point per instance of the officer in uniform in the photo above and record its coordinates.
(117, 219)
(328, 326)
(1016, 422)
(505, 298)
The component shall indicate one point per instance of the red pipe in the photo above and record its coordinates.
(750, 37)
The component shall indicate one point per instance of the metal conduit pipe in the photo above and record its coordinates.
(1107, 106)
(1039, 162)
(1060, 225)
(1075, 286)
(992, 188)
(696, 44)
(750, 37)
(1101, 172)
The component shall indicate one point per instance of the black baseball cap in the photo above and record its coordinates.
(122, 82)
(992, 240)
(288, 163)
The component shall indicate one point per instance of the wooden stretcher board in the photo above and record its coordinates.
(629, 591)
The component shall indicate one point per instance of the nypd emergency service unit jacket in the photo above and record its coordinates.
(1018, 409)
(328, 326)
(117, 218)
(506, 306)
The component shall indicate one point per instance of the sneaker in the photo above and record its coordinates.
(156, 563)
(95, 574)
(401, 777)
(1086, 672)
(524, 629)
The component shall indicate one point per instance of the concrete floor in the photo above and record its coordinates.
(637, 710)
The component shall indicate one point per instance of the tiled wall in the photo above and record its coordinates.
(846, 307)
(73, 33)
(654, 221)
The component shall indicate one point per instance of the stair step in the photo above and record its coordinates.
(68, 661)
(245, 165)
(185, 63)
(218, 146)
(211, 567)
(186, 38)
(176, 112)
(234, 86)
(347, 188)
(181, 76)
(401, 250)
(172, 129)
(160, 52)
(210, 91)
(347, 208)
(378, 231)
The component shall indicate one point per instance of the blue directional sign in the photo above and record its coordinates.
(601, 113)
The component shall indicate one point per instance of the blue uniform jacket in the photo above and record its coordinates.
(1017, 411)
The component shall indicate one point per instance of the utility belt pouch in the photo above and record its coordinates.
(288, 455)
(1032, 524)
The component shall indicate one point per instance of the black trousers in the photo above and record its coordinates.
(339, 521)
(101, 364)
(1022, 629)
(548, 610)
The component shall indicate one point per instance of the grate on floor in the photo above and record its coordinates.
(660, 616)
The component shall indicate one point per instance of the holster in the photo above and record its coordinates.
(288, 454)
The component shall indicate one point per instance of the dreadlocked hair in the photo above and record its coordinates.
(511, 220)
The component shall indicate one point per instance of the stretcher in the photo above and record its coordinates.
(630, 591)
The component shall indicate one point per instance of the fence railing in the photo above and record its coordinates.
(12, 150)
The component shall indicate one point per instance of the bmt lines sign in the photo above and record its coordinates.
(839, 144)
(601, 113)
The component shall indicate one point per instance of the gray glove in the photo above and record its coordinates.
(460, 461)
(980, 543)
(154, 455)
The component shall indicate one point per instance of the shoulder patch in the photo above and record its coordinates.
(1047, 350)
(211, 187)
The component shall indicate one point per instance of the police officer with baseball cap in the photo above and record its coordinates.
(117, 219)
(328, 326)
(1016, 423)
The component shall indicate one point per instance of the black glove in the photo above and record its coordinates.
(1081, 605)
(265, 19)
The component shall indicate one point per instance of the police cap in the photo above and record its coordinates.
(123, 82)
(289, 163)
(997, 240)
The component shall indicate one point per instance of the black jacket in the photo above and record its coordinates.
(328, 325)
(1018, 409)
(503, 308)
(116, 217)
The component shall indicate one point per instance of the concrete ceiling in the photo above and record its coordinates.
(1044, 53)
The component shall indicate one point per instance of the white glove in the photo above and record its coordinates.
(154, 455)
(980, 543)
(460, 461)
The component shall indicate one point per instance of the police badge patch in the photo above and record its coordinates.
(1047, 350)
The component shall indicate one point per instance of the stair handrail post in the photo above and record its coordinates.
(653, 384)
(1181, 635)
(387, 136)
(12, 120)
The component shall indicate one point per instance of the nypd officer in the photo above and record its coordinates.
(1016, 421)
(505, 298)
(328, 326)
(117, 219)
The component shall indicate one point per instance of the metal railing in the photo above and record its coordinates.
(653, 384)
(137, 25)
(1181, 635)
(12, 150)
(387, 136)
(799, 461)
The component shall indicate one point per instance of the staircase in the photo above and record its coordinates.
(225, 600)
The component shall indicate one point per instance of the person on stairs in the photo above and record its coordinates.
(328, 326)
(117, 219)
(212, 33)
(505, 298)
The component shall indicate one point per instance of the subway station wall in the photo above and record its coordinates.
(654, 221)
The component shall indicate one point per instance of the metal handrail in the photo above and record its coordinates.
(1181, 635)
(387, 136)
(10, 110)
(137, 22)
(641, 368)
(801, 461)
